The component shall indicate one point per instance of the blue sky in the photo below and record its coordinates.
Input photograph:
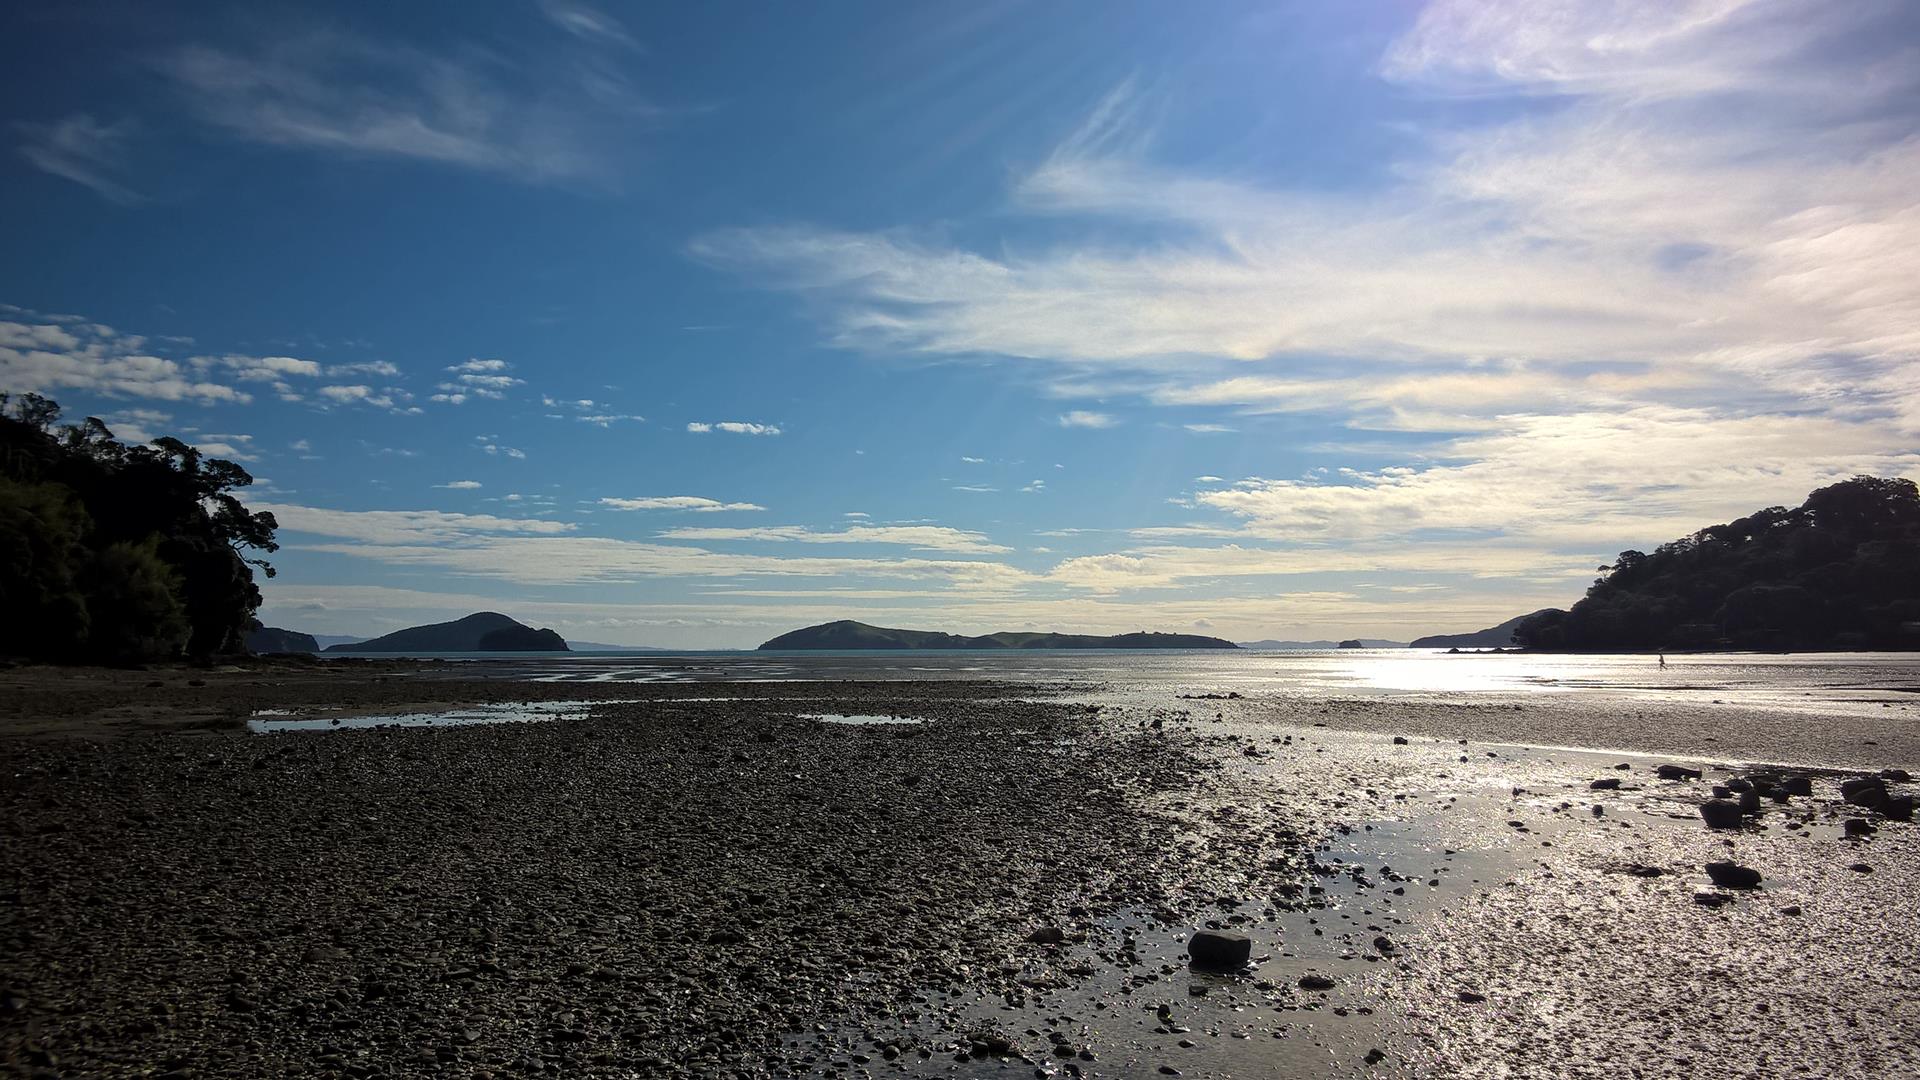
(689, 324)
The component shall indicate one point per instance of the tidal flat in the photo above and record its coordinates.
(695, 879)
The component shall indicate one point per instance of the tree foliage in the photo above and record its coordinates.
(1840, 571)
(116, 552)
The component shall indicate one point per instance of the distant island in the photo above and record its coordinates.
(485, 631)
(1273, 645)
(847, 634)
(1493, 637)
(1840, 571)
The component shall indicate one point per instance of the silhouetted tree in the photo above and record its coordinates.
(120, 552)
(1840, 571)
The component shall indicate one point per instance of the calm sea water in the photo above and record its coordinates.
(1821, 683)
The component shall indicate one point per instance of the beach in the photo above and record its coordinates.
(949, 876)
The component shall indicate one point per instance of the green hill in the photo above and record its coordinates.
(1840, 571)
(485, 631)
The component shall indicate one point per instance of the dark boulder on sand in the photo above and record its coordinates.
(1857, 826)
(1720, 813)
(1867, 791)
(1676, 772)
(1219, 950)
(1797, 785)
(1729, 875)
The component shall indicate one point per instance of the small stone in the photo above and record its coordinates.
(1471, 997)
(1711, 899)
(1858, 827)
(1676, 772)
(1611, 783)
(1399, 740)
(1896, 776)
(1047, 935)
(1315, 982)
(1790, 909)
(1861, 868)
(1797, 785)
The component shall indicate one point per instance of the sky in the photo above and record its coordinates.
(685, 325)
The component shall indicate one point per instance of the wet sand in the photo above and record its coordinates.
(714, 887)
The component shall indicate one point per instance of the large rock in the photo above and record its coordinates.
(1898, 807)
(1867, 791)
(1721, 813)
(1219, 950)
(1729, 875)
(1676, 772)
(1797, 785)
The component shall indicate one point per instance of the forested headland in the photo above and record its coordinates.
(1840, 571)
(117, 554)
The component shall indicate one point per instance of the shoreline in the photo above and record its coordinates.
(700, 882)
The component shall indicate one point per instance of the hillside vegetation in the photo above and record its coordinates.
(1840, 571)
(120, 553)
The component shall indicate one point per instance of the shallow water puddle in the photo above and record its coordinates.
(278, 721)
(861, 718)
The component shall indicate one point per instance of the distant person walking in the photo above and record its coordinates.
(1663, 661)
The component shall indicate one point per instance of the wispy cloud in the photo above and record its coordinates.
(1081, 418)
(677, 502)
(460, 485)
(85, 151)
(539, 117)
(920, 537)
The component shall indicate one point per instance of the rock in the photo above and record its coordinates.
(1375, 1056)
(1861, 868)
(1856, 826)
(1219, 950)
(1896, 776)
(1385, 945)
(1047, 935)
(1676, 772)
(1720, 814)
(1749, 802)
(1790, 909)
(1797, 785)
(1867, 791)
(1471, 997)
(1399, 740)
(1737, 784)
(1611, 783)
(1899, 808)
(1711, 899)
(1315, 982)
(1729, 875)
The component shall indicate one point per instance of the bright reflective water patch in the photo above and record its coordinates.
(860, 718)
(275, 721)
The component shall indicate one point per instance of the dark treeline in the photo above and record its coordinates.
(120, 553)
(1841, 571)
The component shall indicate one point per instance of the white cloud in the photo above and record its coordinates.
(1684, 284)
(921, 537)
(1081, 418)
(460, 485)
(48, 355)
(480, 366)
(734, 427)
(678, 502)
(85, 151)
(364, 367)
(1209, 429)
